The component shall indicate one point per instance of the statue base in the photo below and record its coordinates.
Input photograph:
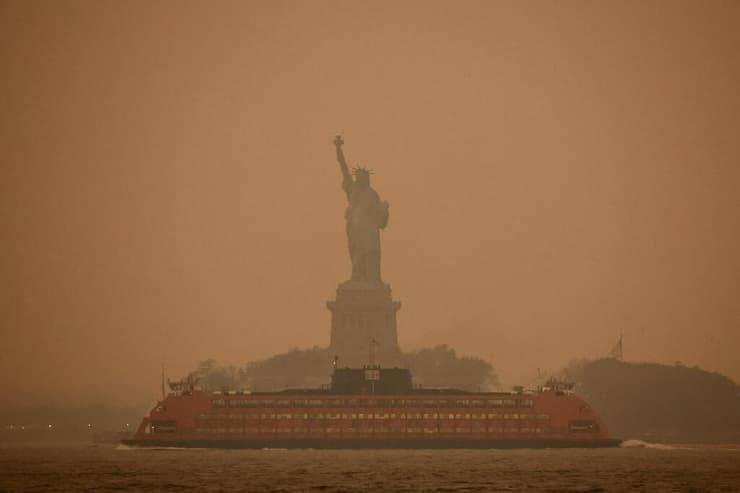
(363, 325)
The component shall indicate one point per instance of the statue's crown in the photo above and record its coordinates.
(358, 170)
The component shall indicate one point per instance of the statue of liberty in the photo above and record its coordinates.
(366, 215)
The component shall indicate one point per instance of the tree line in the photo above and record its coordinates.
(439, 366)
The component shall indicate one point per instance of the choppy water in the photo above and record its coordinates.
(637, 467)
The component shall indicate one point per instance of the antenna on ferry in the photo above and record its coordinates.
(373, 343)
(162, 381)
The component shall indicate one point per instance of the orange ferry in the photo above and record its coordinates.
(372, 407)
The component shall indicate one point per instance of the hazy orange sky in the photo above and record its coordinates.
(557, 172)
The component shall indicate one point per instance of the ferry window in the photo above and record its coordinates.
(353, 402)
(268, 416)
(443, 403)
(430, 415)
(446, 416)
(284, 416)
(282, 403)
(509, 403)
(267, 403)
(398, 402)
(218, 403)
(479, 416)
(333, 416)
(316, 416)
(476, 403)
(315, 402)
(461, 429)
(335, 402)
(381, 415)
(430, 402)
(413, 415)
(496, 403)
(300, 402)
(384, 402)
(370, 403)
(494, 416)
(583, 426)
(253, 403)
(511, 416)
(164, 426)
(372, 375)
(462, 402)
(526, 403)
(349, 416)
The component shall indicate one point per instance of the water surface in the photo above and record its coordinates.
(80, 467)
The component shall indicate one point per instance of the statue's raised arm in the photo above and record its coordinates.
(346, 176)
(365, 215)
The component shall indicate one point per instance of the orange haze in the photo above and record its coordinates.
(557, 172)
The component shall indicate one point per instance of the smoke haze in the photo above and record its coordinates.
(558, 173)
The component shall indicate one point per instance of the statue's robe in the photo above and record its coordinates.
(365, 216)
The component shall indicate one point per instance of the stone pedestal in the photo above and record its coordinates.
(364, 312)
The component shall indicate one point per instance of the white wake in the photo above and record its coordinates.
(644, 444)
